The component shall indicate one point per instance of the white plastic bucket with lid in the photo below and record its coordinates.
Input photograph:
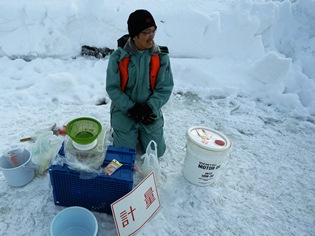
(207, 151)
(74, 220)
(17, 167)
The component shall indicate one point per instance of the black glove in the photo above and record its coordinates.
(146, 110)
(142, 113)
(135, 112)
(147, 117)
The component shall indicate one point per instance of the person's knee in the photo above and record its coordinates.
(161, 148)
(127, 140)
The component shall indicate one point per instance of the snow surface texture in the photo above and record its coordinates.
(245, 68)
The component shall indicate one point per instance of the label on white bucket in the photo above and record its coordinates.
(206, 152)
(199, 172)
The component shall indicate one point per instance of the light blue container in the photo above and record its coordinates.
(17, 167)
(76, 221)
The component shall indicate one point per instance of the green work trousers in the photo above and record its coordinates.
(138, 133)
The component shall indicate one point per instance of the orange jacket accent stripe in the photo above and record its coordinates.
(154, 69)
(123, 68)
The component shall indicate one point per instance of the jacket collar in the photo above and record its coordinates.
(130, 47)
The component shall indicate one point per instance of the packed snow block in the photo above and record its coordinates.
(98, 193)
(270, 69)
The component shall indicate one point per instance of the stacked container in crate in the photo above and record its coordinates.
(96, 194)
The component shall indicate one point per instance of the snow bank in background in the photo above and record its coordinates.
(59, 30)
(252, 39)
(45, 81)
(271, 69)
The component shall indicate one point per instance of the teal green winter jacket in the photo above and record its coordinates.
(138, 86)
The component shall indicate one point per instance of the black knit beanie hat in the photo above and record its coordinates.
(138, 21)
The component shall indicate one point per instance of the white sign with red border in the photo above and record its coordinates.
(136, 208)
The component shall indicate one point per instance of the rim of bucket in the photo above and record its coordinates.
(84, 147)
(214, 144)
(17, 167)
(69, 209)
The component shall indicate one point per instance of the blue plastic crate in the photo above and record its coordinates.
(126, 156)
(97, 193)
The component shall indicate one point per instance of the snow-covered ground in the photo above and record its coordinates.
(245, 68)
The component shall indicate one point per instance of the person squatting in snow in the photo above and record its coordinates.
(139, 82)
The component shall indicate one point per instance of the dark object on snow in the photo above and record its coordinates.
(95, 52)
